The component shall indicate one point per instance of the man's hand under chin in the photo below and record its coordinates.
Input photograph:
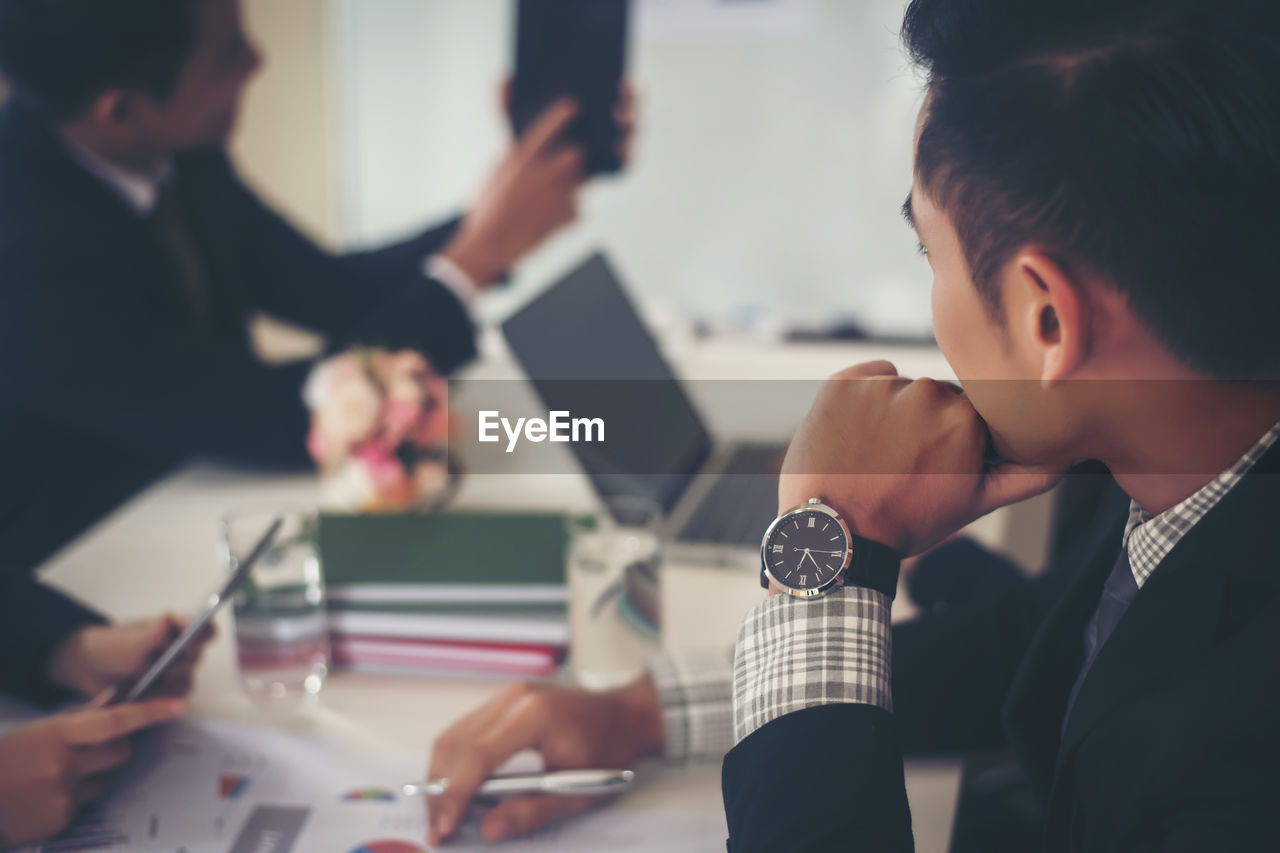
(901, 460)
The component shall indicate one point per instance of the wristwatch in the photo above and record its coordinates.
(808, 551)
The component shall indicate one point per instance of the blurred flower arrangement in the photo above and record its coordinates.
(380, 430)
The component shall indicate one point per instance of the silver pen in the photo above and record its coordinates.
(560, 783)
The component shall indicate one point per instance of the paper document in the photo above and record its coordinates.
(200, 787)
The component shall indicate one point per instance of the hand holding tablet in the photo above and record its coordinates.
(197, 628)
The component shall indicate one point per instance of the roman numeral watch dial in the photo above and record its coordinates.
(806, 550)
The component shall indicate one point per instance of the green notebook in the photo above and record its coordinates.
(453, 559)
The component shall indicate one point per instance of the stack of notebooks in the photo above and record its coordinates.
(457, 592)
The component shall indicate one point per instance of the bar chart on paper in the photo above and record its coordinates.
(202, 787)
(212, 788)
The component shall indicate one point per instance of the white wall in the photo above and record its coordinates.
(286, 141)
(768, 175)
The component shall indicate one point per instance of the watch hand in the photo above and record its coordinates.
(811, 559)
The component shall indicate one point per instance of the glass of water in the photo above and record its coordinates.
(614, 559)
(281, 628)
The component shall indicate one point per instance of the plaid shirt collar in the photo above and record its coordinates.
(1149, 538)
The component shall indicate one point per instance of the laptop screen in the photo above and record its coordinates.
(587, 352)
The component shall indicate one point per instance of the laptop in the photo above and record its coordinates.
(586, 350)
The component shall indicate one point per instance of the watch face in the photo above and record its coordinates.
(806, 550)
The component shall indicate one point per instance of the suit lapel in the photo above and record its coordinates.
(114, 222)
(205, 209)
(1178, 613)
(1181, 614)
(1173, 618)
(1033, 710)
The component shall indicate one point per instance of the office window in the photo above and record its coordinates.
(770, 167)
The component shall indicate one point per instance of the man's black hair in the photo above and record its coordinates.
(65, 53)
(1137, 140)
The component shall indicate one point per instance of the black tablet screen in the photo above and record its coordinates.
(577, 48)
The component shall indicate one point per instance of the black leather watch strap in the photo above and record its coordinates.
(874, 566)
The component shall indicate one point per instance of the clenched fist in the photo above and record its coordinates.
(902, 460)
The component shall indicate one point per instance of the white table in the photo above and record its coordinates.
(158, 552)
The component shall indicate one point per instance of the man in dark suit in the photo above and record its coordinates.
(132, 257)
(1090, 180)
(1095, 193)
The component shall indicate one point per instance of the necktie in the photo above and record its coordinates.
(1117, 594)
(169, 224)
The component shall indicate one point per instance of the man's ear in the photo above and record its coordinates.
(1054, 316)
(113, 108)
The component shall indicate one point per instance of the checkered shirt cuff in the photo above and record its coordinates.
(696, 692)
(794, 654)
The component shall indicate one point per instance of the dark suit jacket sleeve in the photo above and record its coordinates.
(100, 375)
(1228, 829)
(380, 297)
(951, 673)
(34, 619)
(828, 778)
(392, 261)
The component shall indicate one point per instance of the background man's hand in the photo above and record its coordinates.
(901, 460)
(570, 727)
(50, 768)
(624, 113)
(533, 193)
(99, 657)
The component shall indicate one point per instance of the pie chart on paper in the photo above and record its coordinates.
(381, 795)
(390, 847)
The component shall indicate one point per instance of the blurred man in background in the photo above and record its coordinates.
(132, 257)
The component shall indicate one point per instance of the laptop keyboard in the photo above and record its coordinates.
(742, 501)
